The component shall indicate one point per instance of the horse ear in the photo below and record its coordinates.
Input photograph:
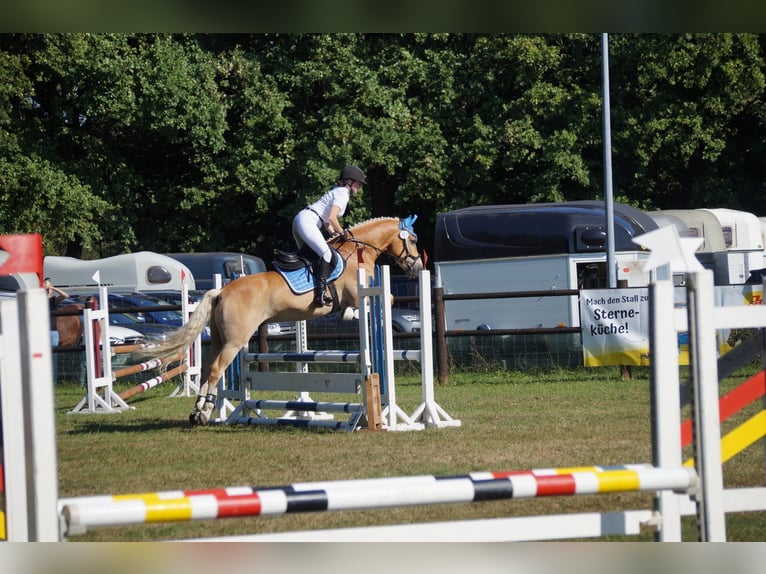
(408, 222)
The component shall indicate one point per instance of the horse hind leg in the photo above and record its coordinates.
(208, 393)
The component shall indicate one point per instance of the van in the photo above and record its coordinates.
(141, 271)
(229, 265)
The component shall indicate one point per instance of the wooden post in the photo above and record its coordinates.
(372, 402)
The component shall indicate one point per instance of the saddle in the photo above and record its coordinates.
(294, 260)
(297, 269)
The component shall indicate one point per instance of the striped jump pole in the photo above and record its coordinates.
(153, 382)
(83, 513)
(139, 368)
(325, 356)
(298, 406)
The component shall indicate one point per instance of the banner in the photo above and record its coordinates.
(615, 326)
(615, 323)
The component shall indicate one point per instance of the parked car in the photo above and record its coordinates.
(155, 324)
(119, 335)
(402, 321)
(174, 298)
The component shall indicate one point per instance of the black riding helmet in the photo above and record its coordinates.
(352, 172)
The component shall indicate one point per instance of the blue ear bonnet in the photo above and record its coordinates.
(407, 223)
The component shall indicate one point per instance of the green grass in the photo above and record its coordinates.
(510, 421)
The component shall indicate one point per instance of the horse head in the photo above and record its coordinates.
(393, 236)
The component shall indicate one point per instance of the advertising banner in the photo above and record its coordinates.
(615, 326)
(615, 323)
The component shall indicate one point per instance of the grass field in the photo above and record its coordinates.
(510, 421)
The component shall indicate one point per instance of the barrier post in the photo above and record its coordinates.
(428, 412)
(705, 413)
(190, 382)
(665, 404)
(28, 423)
(100, 396)
(13, 513)
(39, 410)
(368, 324)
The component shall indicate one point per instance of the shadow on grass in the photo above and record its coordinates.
(101, 425)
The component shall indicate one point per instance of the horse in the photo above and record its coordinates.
(240, 307)
(69, 327)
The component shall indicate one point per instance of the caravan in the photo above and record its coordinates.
(744, 242)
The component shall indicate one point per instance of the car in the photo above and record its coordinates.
(174, 298)
(152, 323)
(119, 335)
(402, 321)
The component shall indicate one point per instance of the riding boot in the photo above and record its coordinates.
(322, 270)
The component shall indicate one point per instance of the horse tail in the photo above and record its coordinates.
(169, 349)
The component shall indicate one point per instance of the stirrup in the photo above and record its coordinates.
(322, 299)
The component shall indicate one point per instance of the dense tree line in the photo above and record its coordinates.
(119, 142)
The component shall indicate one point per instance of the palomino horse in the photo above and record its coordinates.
(239, 308)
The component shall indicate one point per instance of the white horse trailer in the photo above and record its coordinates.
(743, 240)
(733, 245)
(141, 271)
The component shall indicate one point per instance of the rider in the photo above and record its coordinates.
(309, 223)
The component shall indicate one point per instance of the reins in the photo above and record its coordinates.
(409, 259)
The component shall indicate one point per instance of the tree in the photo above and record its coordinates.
(119, 142)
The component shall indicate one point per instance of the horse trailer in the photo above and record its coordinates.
(532, 247)
(733, 243)
(141, 271)
(229, 265)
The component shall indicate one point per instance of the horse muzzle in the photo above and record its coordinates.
(411, 265)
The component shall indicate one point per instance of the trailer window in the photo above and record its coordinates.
(232, 269)
(729, 236)
(591, 275)
(158, 275)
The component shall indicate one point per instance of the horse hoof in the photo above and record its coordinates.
(198, 419)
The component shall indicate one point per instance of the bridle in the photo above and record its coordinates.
(406, 260)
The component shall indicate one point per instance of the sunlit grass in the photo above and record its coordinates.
(510, 421)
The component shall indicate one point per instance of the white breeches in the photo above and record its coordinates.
(307, 231)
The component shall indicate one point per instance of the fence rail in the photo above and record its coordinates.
(441, 333)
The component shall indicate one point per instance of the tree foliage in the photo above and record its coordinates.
(119, 142)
